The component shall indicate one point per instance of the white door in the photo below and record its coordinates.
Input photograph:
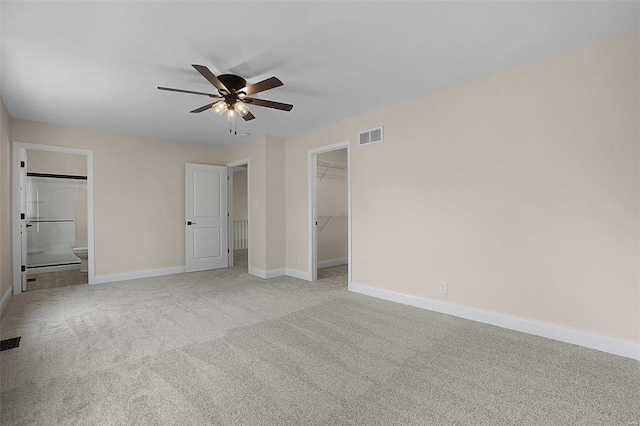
(206, 217)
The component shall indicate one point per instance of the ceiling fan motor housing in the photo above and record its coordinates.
(232, 82)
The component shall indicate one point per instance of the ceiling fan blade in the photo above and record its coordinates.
(248, 116)
(268, 104)
(261, 86)
(206, 73)
(169, 89)
(204, 108)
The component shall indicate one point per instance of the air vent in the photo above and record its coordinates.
(370, 136)
(9, 343)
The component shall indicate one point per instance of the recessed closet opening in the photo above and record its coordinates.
(330, 206)
(332, 229)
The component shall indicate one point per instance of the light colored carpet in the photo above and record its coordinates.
(222, 347)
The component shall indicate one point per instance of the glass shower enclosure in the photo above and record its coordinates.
(53, 211)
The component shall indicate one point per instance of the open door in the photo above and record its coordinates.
(206, 217)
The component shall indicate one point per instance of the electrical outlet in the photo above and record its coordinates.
(298, 261)
(255, 204)
(443, 287)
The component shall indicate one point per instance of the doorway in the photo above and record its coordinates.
(330, 207)
(52, 217)
(239, 223)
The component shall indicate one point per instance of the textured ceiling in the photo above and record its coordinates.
(97, 64)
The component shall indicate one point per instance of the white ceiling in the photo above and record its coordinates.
(97, 64)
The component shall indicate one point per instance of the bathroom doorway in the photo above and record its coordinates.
(56, 219)
(53, 220)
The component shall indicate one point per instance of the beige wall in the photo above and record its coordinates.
(254, 151)
(240, 195)
(520, 190)
(56, 163)
(332, 207)
(6, 252)
(65, 164)
(275, 198)
(266, 205)
(139, 193)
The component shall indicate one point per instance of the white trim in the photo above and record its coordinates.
(51, 148)
(230, 227)
(102, 279)
(261, 273)
(312, 215)
(17, 204)
(295, 273)
(5, 300)
(333, 262)
(18, 148)
(599, 342)
(271, 273)
(279, 272)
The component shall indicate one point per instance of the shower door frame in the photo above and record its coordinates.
(19, 206)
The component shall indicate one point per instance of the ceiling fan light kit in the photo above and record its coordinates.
(233, 93)
(220, 107)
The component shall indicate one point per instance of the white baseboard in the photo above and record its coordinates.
(101, 279)
(6, 297)
(626, 348)
(271, 273)
(261, 273)
(295, 273)
(332, 262)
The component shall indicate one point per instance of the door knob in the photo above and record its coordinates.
(191, 223)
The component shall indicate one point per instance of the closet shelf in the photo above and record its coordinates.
(326, 220)
(331, 169)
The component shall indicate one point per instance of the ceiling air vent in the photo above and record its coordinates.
(370, 136)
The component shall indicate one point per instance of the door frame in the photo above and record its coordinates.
(231, 166)
(312, 182)
(19, 205)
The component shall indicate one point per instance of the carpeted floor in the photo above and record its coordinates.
(222, 347)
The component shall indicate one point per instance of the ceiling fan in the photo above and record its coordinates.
(234, 93)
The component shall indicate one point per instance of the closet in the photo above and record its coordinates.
(332, 210)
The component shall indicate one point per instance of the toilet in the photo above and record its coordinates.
(83, 254)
